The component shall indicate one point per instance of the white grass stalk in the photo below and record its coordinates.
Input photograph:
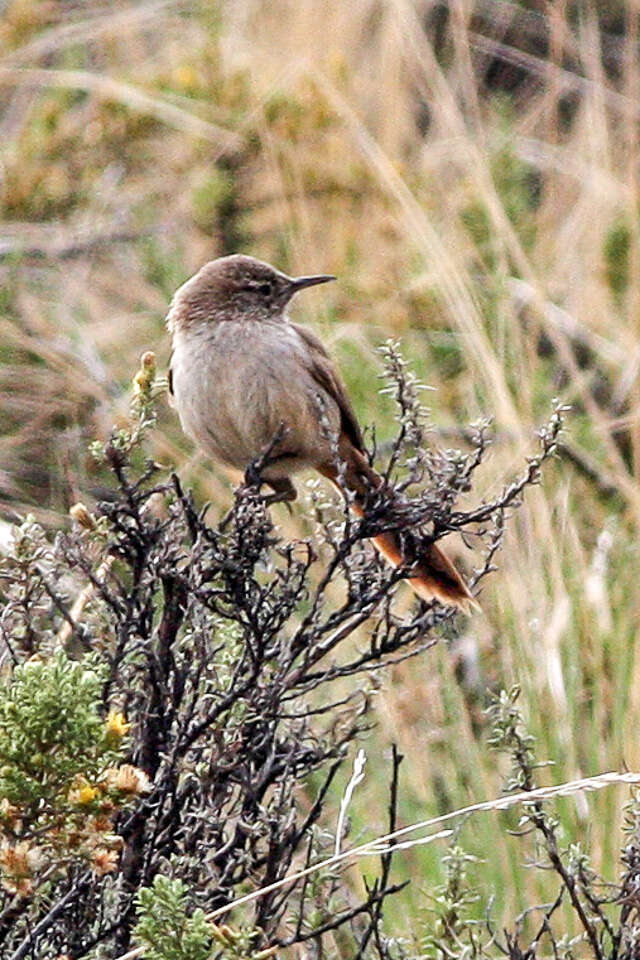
(381, 844)
(356, 778)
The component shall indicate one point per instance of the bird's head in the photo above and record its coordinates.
(236, 288)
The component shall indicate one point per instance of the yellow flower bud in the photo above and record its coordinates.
(143, 380)
(117, 726)
(228, 933)
(82, 795)
(148, 362)
(216, 933)
(87, 795)
(140, 382)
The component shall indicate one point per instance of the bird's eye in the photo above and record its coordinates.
(264, 289)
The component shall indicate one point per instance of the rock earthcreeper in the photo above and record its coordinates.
(242, 373)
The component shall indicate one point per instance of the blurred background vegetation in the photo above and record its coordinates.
(469, 170)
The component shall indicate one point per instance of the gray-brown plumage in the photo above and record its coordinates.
(241, 371)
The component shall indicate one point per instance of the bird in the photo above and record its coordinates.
(244, 378)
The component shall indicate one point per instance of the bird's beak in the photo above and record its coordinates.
(299, 283)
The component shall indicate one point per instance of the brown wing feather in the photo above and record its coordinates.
(434, 575)
(323, 371)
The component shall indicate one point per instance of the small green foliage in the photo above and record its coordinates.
(579, 863)
(508, 734)
(475, 218)
(617, 247)
(448, 357)
(167, 928)
(9, 289)
(285, 112)
(630, 934)
(162, 267)
(147, 387)
(212, 197)
(30, 546)
(60, 782)
(517, 185)
(236, 943)
(23, 587)
(452, 931)
(51, 731)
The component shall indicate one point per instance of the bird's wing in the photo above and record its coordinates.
(324, 373)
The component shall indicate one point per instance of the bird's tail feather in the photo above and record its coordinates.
(433, 575)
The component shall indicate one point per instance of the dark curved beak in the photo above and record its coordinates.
(299, 283)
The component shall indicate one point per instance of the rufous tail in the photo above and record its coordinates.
(433, 575)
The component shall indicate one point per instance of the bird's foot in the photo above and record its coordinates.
(283, 491)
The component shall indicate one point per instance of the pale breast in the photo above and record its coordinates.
(234, 385)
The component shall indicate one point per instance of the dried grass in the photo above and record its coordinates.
(495, 232)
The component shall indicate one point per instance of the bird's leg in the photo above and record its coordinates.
(283, 489)
(253, 473)
(283, 492)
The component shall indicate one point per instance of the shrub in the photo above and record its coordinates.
(230, 652)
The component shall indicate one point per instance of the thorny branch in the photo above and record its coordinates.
(233, 660)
